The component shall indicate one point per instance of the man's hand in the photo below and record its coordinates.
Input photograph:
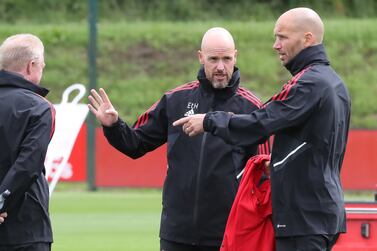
(2, 217)
(102, 108)
(191, 125)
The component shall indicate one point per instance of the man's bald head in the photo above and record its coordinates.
(217, 37)
(218, 56)
(304, 20)
(296, 30)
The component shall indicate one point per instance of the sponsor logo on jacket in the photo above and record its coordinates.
(191, 108)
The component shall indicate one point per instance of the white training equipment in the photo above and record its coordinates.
(69, 119)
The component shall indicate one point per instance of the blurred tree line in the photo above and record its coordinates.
(42, 11)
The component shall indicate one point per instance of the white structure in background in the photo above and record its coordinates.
(69, 118)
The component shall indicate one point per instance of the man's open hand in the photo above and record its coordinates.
(102, 108)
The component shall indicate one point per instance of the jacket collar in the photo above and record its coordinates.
(311, 55)
(15, 80)
(226, 92)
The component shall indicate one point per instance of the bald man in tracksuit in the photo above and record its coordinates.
(201, 181)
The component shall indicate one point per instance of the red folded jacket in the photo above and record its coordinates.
(249, 226)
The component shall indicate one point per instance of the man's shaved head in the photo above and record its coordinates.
(218, 56)
(296, 30)
(217, 37)
(304, 20)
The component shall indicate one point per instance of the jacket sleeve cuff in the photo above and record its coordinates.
(114, 126)
(217, 122)
(207, 123)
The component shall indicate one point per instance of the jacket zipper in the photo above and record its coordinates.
(198, 178)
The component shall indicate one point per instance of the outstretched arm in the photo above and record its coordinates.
(248, 129)
(148, 133)
(100, 105)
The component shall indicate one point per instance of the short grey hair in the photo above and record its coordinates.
(18, 50)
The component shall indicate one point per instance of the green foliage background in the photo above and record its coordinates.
(42, 11)
(148, 47)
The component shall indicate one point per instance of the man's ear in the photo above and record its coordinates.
(235, 56)
(309, 39)
(200, 57)
(29, 67)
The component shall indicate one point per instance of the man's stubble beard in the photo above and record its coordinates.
(219, 85)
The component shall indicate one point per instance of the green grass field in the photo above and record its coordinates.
(114, 219)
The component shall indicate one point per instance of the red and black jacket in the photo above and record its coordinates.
(201, 182)
(310, 120)
(26, 128)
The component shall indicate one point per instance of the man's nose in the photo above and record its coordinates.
(276, 45)
(220, 65)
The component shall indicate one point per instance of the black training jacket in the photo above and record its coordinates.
(26, 127)
(310, 119)
(201, 182)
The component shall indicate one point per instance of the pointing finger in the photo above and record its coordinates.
(181, 121)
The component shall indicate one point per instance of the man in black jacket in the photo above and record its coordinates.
(310, 120)
(201, 180)
(26, 128)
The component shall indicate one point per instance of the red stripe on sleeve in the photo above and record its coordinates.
(53, 113)
(143, 119)
(249, 96)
